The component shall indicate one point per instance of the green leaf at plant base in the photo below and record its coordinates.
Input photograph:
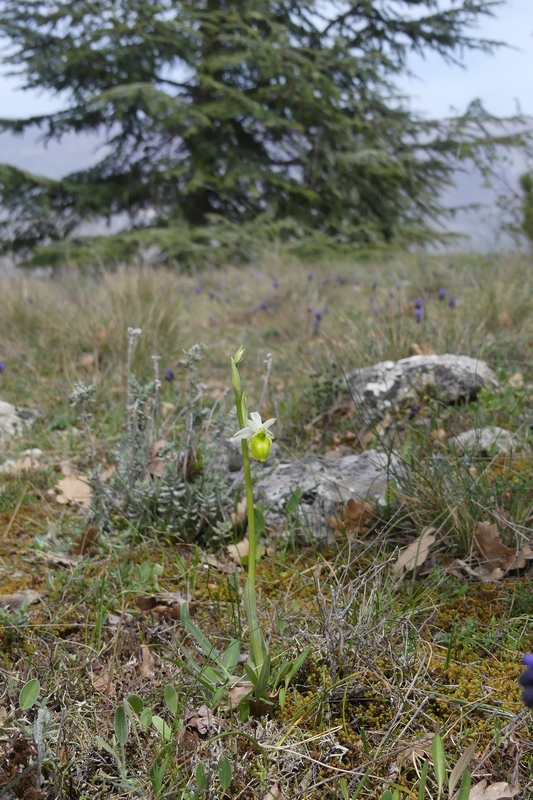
(121, 725)
(260, 690)
(224, 773)
(423, 780)
(466, 784)
(171, 699)
(29, 694)
(230, 657)
(208, 648)
(145, 718)
(157, 773)
(135, 702)
(439, 762)
(161, 726)
(289, 669)
(201, 777)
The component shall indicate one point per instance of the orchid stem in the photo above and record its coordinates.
(257, 642)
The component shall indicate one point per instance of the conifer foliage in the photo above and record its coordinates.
(227, 118)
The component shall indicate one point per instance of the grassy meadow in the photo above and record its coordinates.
(410, 679)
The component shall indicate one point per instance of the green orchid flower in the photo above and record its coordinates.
(258, 435)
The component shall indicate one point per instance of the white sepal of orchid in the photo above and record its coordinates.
(254, 426)
(258, 435)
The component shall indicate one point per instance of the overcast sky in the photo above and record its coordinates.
(503, 81)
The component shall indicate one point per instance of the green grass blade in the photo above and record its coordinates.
(423, 781)
(466, 784)
(439, 762)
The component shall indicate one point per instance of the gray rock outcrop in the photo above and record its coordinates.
(324, 484)
(14, 421)
(449, 377)
(484, 441)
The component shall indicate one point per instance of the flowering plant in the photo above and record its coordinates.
(256, 440)
(258, 435)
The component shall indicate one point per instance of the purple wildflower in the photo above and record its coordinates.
(391, 293)
(442, 294)
(309, 276)
(452, 302)
(316, 322)
(264, 304)
(419, 302)
(526, 680)
(275, 283)
(2, 366)
(413, 412)
(169, 375)
(419, 314)
(211, 293)
(197, 288)
(375, 310)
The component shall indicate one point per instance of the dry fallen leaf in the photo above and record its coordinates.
(238, 691)
(238, 517)
(481, 573)
(238, 551)
(157, 462)
(451, 565)
(87, 361)
(421, 350)
(102, 683)
(60, 559)
(353, 516)
(146, 663)
(74, 489)
(504, 320)
(418, 749)
(168, 606)
(221, 563)
(415, 553)
(495, 791)
(495, 554)
(274, 793)
(86, 541)
(202, 720)
(17, 599)
(517, 381)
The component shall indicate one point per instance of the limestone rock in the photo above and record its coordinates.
(324, 484)
(14, 421)
(484, 441)
(449, 377)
